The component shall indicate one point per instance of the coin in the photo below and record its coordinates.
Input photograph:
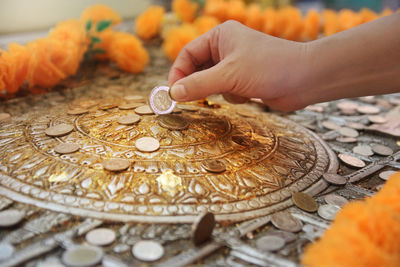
(59, 130)
(106, 106)
(121, 248)
(368, 109)
(377, 119)
(382, 150)
(304, 202)
(160, 100)
(144, 110)
(347, 105)
(343, 139)
(328, 211)
(147, 144)
(125, 106)
(116, 165)
(364, 150)
(330, 125)
(351, 161)
(88, 103)
(246, 113)
(355, 125)
(147, 250)
(4, 116)
(11, 217)
(66, 148)
(6, 251)
(270, 243)
(336, 200)
(213, 165)
(82, 255)
(348, 111)
(172, 122)
(283, 220)
(100, 237)
(77, 111)
(188, 107)
(334, 178)
(386, 175)
(348, 132)
(134, 98)
(287, 236)
(129, 119)
(202, 228)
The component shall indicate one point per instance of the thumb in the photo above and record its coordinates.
(201, 84)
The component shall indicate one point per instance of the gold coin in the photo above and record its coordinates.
(147, 144)
(59, 130)
(106, 106)
(213, 165)
(304, 202)
(246, 113)
(116, 165)
(4, 116)
(203, 227)
(144, 110)
(188, 107)
(66, 148)
(126, 106)
(160, 100)
(129, 119)
(172, 122)
(134, 98)
(77, 111)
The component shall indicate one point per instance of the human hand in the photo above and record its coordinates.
(242, 63)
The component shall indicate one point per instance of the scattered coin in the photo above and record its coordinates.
(121, 248)
(134, 98)
(160, 100)
(355, 125)
(348, 111)
(126, 106)
(328, 211)
(213, 165)
(377, 119)
(147, 144)
(100, 237)
(304, 201)
(287, 236)
(246, 113)
(348, 132)
(336, 200)
(351, 161)
(368, 109)
(334, 178)
(116, 165)
(386, 175)
(11, 217)
(88, 103)
(330, 125)
(4, 116)
(144, 110)
(59, 130)
(347, 105)
(368, 99)
(283, 220)
(6, 251)
(147, 250)
(315, 108)
(66, 148)
(106, 106)
(382, 150)
(129, 119)
(364, 150)
(77, 111)
(172, 122)
(81, 255)
(343, 139)
(270, 243)
(188, 107)
(202, 228)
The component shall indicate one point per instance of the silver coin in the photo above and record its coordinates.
(368, 109)
(364, 150)
(330, 125)
(270, 243)
(355, 125)
(386, 175)
(377, 119)
(287, 236)
(334, 178)
(147, 250)
(11, 217)
(121, 248)
(348, 132)
(382, 150)
(351, 161)
(160, 100)
(283, 220)
(6, 251)
(328, 211)
(81, 256)
(336, 200)
(343, 139)
(147, 144)
(100, 237)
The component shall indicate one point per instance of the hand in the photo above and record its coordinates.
(241, 63)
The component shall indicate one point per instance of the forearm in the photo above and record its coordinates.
(364, 60)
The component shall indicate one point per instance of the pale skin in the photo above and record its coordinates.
(242, 63)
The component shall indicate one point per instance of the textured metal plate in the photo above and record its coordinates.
(267, 158)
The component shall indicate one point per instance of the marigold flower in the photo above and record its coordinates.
(311, 26)
(331, 22)
(148, 24)
(185, 9)
(387, 11)
(128, 52)
(291, 23)
(100, 12)
(254, 17)
(205, 23)
(271, 22)
(216, 8)
(236, 10)
(367, 15)
(348, 19)
(177, 38)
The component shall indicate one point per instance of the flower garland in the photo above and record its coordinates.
(364, 233)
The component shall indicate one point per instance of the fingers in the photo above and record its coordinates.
(235, 99)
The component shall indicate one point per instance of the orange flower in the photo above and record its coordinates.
(185, 9)
(216, 8)
(128, 52)
(100, 12)
(106, 38)
(236, 10)
(205, 23)
(367, 15)
(311, 26)
(177, 38)
(148, 24)
(387, 11)
(292, 23)
(348, 19)
(254, 17)
(331, 22)
(271, 22)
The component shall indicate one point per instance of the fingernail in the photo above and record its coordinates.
(178, 92)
